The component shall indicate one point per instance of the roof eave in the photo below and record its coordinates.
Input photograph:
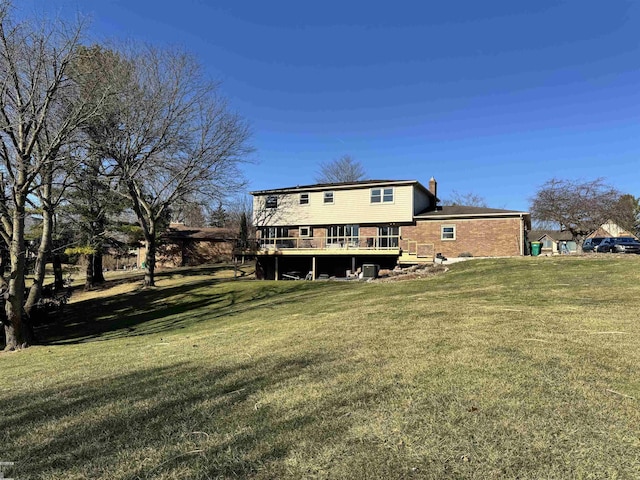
(466, 215)
(338, 186)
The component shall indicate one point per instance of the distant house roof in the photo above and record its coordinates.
(340, 186)
(558, 235)
(467, 211)
(611, 229)
(182, 232)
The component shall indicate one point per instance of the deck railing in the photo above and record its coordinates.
(388, 242)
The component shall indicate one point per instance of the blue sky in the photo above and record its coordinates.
(491, 97)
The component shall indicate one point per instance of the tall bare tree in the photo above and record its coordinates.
(169, 136)
(343, 169)
(465, 199)
(35, 90)
(577, 207)
(191, 214)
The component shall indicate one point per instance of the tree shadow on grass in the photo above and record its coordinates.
(181, 421)
(137, 276)
(162, 309)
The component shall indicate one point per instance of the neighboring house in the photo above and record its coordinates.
(553, 240)
(187, 246)
(334, 229)
(610, 229)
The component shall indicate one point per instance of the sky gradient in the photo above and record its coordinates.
(492, 98)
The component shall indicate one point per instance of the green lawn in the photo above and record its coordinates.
(510, 368)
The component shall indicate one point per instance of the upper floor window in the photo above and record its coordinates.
(304, 199)
(382, 195)
(271, 202)
(448, 232)
(328, 197)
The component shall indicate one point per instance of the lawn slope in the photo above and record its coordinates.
(510, 368)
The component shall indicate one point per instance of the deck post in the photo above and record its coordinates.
(313, 268)
(276, 265)
(353, 265)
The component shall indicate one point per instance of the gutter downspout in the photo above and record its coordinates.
(521, 235)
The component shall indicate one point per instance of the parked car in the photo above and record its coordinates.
(619, 245)
(591, 244)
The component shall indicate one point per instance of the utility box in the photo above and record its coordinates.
(370, 270)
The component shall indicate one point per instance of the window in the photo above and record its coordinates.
(328, 197)
(271, 202)
(275, 237)
(275, 232)
(343, 234)
(304, 199)
(388, 237)
(382, 195)
(305, 231)
(448, 232)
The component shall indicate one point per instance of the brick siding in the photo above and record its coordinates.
(479, 237)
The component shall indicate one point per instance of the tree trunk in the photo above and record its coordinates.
(579, 239)
(98, 275)
(58, 283)
(16, 329)
(35, 292)
(4, 261)
(150, 262)
(88, 282)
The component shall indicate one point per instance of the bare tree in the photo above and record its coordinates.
(465, 199)
(191, 214)
(343, 169)
(236, 208)
(577, 207)
(49, 189)
(35, 90)
(239, 217)
(170, 137)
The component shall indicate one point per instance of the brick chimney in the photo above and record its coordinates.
(433, 186)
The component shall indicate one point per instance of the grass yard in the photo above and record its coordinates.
(510, 368)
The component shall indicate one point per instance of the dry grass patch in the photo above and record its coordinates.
(522, 368)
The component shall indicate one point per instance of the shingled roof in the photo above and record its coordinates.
(463, 210)
(339, 186)
(564, 235)
(182, 232)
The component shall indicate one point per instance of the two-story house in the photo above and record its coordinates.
(333, 229)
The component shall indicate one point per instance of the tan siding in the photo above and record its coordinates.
(420, 201)
(349, 207)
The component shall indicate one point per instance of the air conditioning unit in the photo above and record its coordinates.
(370, 270)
